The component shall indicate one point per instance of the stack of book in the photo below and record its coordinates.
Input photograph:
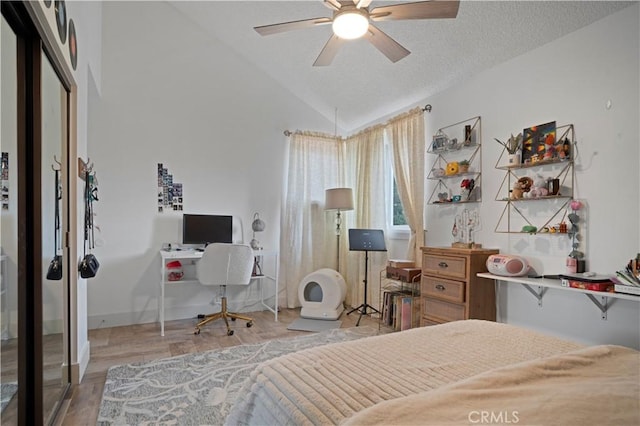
(400, 309)
(628, 280)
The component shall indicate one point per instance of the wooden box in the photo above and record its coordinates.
(406, 275)
(398, 263)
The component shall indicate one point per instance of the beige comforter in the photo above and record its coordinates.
(328, 384)
(598, 385)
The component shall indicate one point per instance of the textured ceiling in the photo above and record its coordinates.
(361, 83)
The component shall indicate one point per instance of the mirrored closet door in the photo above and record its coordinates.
(34, 326)
(55, 374)
(8, 229)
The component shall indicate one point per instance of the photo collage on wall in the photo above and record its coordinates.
(169, 192)
(4, 180)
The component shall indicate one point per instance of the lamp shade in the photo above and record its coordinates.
(338, 199)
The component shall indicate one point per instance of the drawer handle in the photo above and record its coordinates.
(440, 287)
(443, 265)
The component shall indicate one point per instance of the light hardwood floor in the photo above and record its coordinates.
(123, 345)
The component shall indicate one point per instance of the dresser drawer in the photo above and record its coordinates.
(441, 310)
(450, 266)
(425, 322)
(440, 288)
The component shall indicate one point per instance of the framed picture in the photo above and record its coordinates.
(440, 142)
(535, 139)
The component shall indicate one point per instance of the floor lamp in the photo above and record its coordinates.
(340, 199)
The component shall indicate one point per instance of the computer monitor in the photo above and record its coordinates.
(205, 229)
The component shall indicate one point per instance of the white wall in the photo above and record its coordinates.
(570, 81)
(87, 17)
(171, 94)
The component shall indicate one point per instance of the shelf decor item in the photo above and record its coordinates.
(463, 166)
(575, 263)
(464, 226)
(535, 139)
(440, 142)
(467, 186)
(512, 145)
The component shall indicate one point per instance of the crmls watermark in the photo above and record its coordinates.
(493, 417)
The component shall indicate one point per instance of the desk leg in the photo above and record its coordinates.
(262, 283)
(161, 301)
(277, 267)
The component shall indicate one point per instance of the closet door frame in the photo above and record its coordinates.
(32, 40)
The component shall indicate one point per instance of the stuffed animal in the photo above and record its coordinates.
(538, 189)
(563, 148)
(520, 187)
(549, 148)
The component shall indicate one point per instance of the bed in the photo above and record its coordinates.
(461, 372)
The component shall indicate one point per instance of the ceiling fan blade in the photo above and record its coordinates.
(332, 4)
(434, 9)
(289, 26)
(362, 3)
(391, 48)
(329, 51)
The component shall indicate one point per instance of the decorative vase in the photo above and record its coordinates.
(513, 159)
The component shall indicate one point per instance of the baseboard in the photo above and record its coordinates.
(171, 313)
(78, 369)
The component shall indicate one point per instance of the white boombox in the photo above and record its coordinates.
(507, 265)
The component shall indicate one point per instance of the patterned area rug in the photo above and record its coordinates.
(198, 388)
(7, 390)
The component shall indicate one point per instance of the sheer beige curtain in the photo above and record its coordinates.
(307, 241)
(406, 135)
(365, 170)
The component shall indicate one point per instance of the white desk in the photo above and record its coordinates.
(168, 256)
(543, 284)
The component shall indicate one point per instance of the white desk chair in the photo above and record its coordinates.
(222, 265)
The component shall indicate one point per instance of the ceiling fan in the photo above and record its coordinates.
(352, 19)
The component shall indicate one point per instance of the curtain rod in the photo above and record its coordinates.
(426, 108)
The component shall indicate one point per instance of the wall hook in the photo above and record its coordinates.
(84, 168)
(59, 165)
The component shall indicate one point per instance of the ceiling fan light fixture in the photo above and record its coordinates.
(350, 24)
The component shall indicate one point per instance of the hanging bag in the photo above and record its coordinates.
(54, 272)
(89, 265)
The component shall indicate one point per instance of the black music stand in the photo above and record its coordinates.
(366, 240)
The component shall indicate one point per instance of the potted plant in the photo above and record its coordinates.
(512, 146)
(463, 166)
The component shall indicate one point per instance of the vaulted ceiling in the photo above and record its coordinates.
(361, 84)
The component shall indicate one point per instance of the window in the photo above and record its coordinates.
(397, 222)
(398, 212)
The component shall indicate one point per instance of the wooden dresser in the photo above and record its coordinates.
(450, 289)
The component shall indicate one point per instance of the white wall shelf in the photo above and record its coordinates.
(532, 211)
(461, 141)
(605, 301)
